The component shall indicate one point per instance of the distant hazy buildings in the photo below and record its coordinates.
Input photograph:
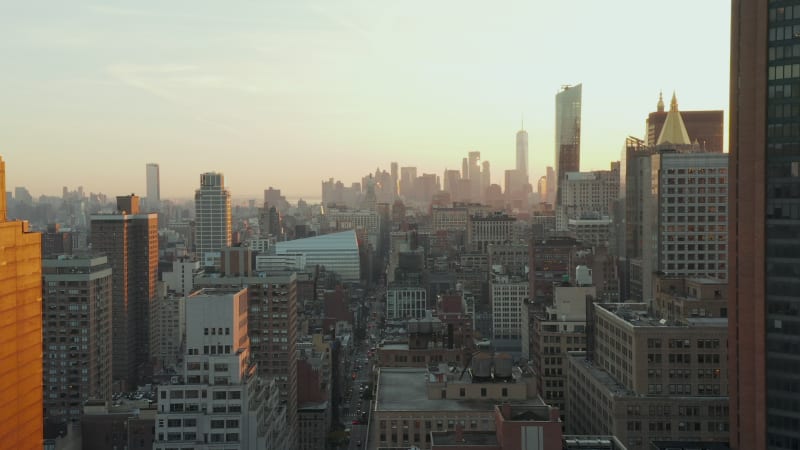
(153, 199)
(130, 241)
(77, 334)
(21, 424)
(212, 204)
(568, 134)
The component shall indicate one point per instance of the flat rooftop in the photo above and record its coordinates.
(600, 375)
(405, 389)
(636, 314)
(469, 438)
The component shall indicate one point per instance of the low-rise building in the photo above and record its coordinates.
(413, 402)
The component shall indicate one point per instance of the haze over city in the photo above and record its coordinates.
(290, 94)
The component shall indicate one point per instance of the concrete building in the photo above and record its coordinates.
(555, 331)
(517, 427)
(337, 252)
(222, 402)
(153, 199)
(496, 229)
(405, 302)
(588, 195)
(314, 424)
(167, 329)
(507, 296)
(594, 232)
(411, 403)
(693, 217)
(212, 205)
(130, 241)
(644, 379)
(21, 424)
(568, 135)
(130, 426)
(362, 221)
(77, 334)
(678, 297)
(181, 279)
(272, 326)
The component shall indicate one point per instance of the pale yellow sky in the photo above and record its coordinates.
(287, 94)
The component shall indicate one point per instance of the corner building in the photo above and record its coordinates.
(764, 289)
(21, 424)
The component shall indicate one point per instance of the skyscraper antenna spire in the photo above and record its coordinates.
(522, 121)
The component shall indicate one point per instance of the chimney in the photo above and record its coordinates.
(555, 415)
(459, 433)
(506, 410)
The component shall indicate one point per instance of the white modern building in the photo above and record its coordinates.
(281, 263)
(337, 252)
(405, 302)
(212, 203)
(507, 296)
(219, 402)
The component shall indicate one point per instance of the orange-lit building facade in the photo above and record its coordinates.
(21, 424)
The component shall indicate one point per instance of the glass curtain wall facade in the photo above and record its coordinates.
(568, 134)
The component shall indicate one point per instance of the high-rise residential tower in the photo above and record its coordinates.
(21, 424)
(764, 238)
(130, 241)
(522, 152)
(77, 334)
(568, 134)
(212, 204)
(153, 200)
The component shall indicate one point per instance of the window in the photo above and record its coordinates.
(462, 392)
(504, 392)
(483, 392)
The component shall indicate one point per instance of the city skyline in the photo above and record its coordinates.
(354, 83)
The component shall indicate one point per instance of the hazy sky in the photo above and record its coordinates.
(288, 93)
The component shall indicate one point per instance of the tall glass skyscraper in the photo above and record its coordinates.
(568, 134)
(212, 204)
(522, 153)
(764, 228)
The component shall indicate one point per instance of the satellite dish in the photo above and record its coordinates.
(663, 321)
